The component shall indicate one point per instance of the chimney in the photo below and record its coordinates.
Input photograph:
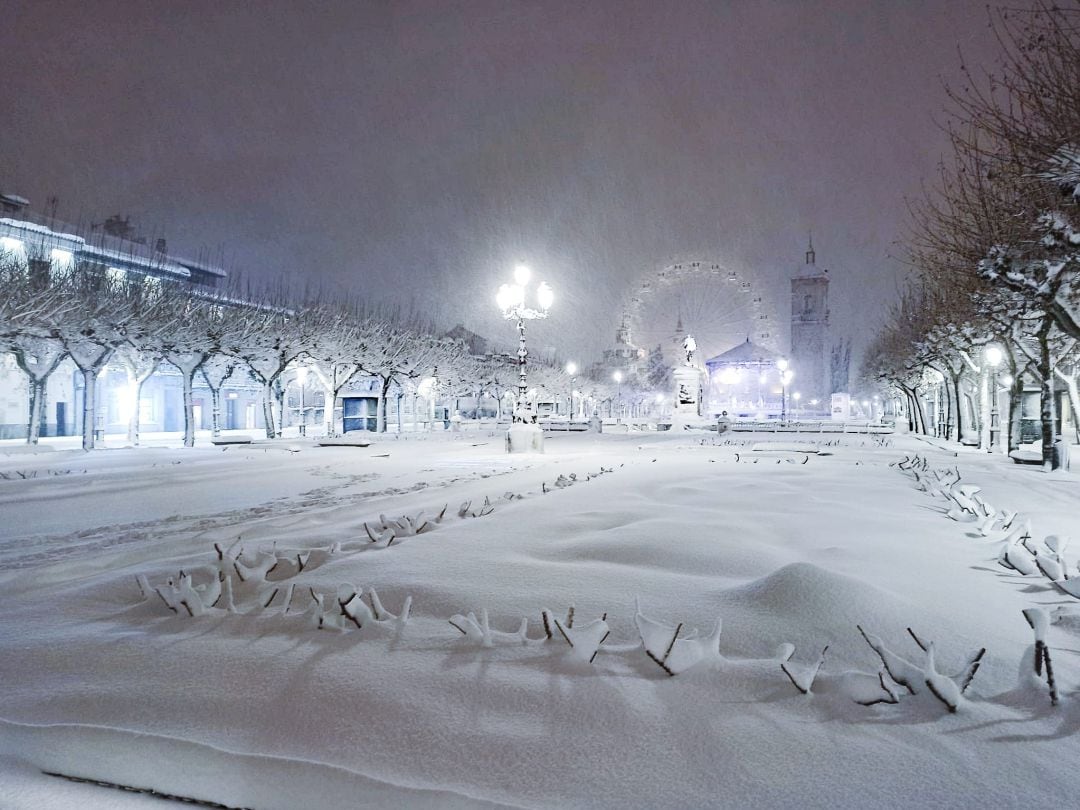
(159, 246)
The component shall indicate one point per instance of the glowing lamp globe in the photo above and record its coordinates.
(544, 296)
(504, 299)
(521, 275)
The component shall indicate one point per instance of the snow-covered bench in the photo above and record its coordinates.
(230, 440)
(344, 441)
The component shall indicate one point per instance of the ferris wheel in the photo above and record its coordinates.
(720, 307)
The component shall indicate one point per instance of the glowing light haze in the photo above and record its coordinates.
(419, 151)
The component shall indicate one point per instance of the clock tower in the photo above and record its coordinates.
(810, 334)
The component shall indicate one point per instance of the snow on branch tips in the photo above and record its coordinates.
(263, 583)
(674, 650)
(803, 676)
(1039, 622)
(915, 678)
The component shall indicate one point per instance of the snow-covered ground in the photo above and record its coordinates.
(260, 708)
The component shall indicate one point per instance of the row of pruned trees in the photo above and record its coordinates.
(995, 244)
(97, 318)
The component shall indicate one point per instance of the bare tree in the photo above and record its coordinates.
(272, 336)
(216, 370)
(28, 312)
(201, 327)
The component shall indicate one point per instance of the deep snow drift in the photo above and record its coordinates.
(745, 558)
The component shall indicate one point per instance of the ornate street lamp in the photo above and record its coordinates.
(511, 300)
(617, 377)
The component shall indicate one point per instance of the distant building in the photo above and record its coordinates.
(478, 346)
(48, 246)
(810, 334)
(624, 356)
(744, 382)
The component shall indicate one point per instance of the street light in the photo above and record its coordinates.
(797, 396)
(617, 377)
(994, 356)
(785, 377)
(511, 300)
(301, 380)
(571, 370)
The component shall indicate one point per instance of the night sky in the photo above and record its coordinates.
(415, 152)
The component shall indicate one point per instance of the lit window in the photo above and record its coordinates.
(115, 275)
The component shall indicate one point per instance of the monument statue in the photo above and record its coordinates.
(689, 346)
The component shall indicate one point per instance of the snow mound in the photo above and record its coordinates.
(808, 596)
(660, 546)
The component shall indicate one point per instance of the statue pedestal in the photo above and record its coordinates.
(524, 438)
(689, 385)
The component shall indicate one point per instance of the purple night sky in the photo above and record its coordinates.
(416, 151)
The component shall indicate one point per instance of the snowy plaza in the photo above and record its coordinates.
(793, 540)
(540, 405)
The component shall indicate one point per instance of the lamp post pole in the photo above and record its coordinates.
(994, 356)
(511, 300)
(571, 370)
(301, 378)
(785, 378)
(617, 376)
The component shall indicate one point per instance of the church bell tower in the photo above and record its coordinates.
(810, 334)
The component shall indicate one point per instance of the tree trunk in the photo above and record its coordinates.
(279, 406)
(380, 407)
(329, 410)
(215, 411)
(134, 392)
(89, 406)
(1074, 406)
(910, 410)
(188, 364)
(188, 376)
(1046, 398)
(1016, 392)
(36, 390)
(920, 413)
(1074, 400)
(984, 408)
(268, 409)
(959, 408)
(37, 370)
